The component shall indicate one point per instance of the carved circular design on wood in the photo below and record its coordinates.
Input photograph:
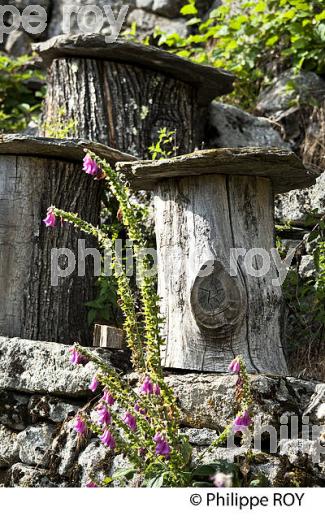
(217, 300)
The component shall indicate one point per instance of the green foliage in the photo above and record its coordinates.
(58, 126)
(104, 307)
(165, 146)
(19, 103)
(246, 40)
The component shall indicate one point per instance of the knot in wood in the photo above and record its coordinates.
(217, 299)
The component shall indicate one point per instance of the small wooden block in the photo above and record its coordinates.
(109, 337)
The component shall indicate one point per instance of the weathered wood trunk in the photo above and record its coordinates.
(211, 314)
(123, 93)
(121, 105)
(33, 305)
(218, 282)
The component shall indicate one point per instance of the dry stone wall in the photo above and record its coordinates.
(40, 394)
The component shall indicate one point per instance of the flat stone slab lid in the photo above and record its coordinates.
(62, 149)
(283, 167)
(210, 81)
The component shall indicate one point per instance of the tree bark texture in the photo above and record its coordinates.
(123, 106)
(211, 317)
(30, 306)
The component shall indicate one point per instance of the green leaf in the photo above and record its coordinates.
(127, 473)
(186, 450)
(271, 41)
(194, 21)
(155, 482)
(189, 9)
(260, 7)
(320, 16)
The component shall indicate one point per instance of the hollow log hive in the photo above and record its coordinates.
(34, 174)
(208, 204)
(123, 93)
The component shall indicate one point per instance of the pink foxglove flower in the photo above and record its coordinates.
(108, 439)
(156, 389)
(130, 421)
(50, 220)
(108, 398)
(140, 410)
(147, 386)
(162, 446)
(104, 417)
(242, 422)
(94, 384)
(234, 366)
(76, 358)
(80, 426)
(222, 480)
(90, 166)
(91, 484)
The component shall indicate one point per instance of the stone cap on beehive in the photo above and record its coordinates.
(210, 81)
(283, 167)
(67, 149)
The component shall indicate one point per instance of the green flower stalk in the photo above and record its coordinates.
(143, 423)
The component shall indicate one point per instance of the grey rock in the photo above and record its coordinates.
(307, 267)
(200, 437)
(56, 25)
(146, 22)
(272, 470)
(14, 410)
(40, 367)
(302, 391)
(296, 205)
(66, 448)
(312, 147)
(32, 129)
(50, 408)
(231, 127)
(291, 108)
(208, 401)
(95, 463)
(169, 8)
(34, 444)
(316, 400)
(144, 4)
(299, 451)
(121, 462)
(9, 452)
(290, 243)
(22, 4)
(22, 475)
(276, 99)
(18, 43)
(231, 454)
